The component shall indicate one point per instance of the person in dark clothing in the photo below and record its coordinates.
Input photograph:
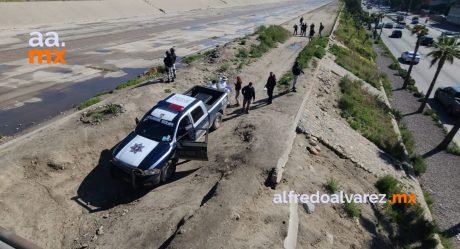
(249, 93)
(169, 63)
(174, 57)
(312, 33)
(238, 84)
(304, 29)
(312, 27)
(321, 27)
(301, 20)
(271, 83)
(296, 71)
(295, 29)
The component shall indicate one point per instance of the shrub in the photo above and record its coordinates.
(269, 37)
(354, 36)
(88, 103)
(129, 83)
(167, 90)
(453, 148)
(388, 185)
(320, 52)
(352, 209)
(428, 199)
(367, 114)
(191, 58)
(112, 109)
(332, 185)
(419, 165)
(285, 81)
(242, 53)
(224, 67)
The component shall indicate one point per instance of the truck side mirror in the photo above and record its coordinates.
(137, 121)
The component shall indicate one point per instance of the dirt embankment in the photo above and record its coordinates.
(55, 188)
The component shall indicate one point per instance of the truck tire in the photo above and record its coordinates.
(217, 121)
(168, 170)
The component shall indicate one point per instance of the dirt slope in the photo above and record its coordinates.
(56, 191)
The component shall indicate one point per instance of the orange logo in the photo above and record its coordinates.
(50, 40)
(403, 198)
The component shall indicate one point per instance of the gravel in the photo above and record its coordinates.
(442, 178)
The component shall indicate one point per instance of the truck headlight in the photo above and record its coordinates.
(153, 171)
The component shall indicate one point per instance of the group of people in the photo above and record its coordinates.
(249, 92)
(170, 64)
(303, 29)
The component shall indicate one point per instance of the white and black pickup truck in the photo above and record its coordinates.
(172, 130)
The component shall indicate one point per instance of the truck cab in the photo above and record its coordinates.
(176, 128)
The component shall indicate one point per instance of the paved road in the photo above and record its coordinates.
(101, 55)
(423, 73)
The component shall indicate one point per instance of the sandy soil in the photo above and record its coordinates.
(56, 191)
(19, 14)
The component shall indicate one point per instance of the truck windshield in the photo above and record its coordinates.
(156, 129)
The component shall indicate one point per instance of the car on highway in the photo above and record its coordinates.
(426, 40)
(396, 34)
(450, 34)
(400, 25)
(449, 97)
(407, 57)
(379, 26)
(415, 20)
(388, 25)
(171, 130)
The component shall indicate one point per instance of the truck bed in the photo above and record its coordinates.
(208, 95)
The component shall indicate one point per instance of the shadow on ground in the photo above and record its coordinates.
(99, 191)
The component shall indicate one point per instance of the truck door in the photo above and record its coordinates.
(187, 147)
(200, 120)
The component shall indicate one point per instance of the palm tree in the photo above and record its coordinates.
(450, 136)
(380, 17)
(446, 49)
(420, 30)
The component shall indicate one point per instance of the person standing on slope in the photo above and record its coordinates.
(174, 57)
(271, 83)
(321, 27)
(168, 62)
(296, 71)
(295, 29)
(238, 84)
(249, 93)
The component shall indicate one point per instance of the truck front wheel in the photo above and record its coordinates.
(217, 121)
(168, 170)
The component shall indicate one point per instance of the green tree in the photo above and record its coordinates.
(420, 30)
(446, 49)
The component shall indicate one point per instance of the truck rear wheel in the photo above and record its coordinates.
(168, 171)
(217, 121)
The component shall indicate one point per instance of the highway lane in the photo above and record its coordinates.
(422, 73)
